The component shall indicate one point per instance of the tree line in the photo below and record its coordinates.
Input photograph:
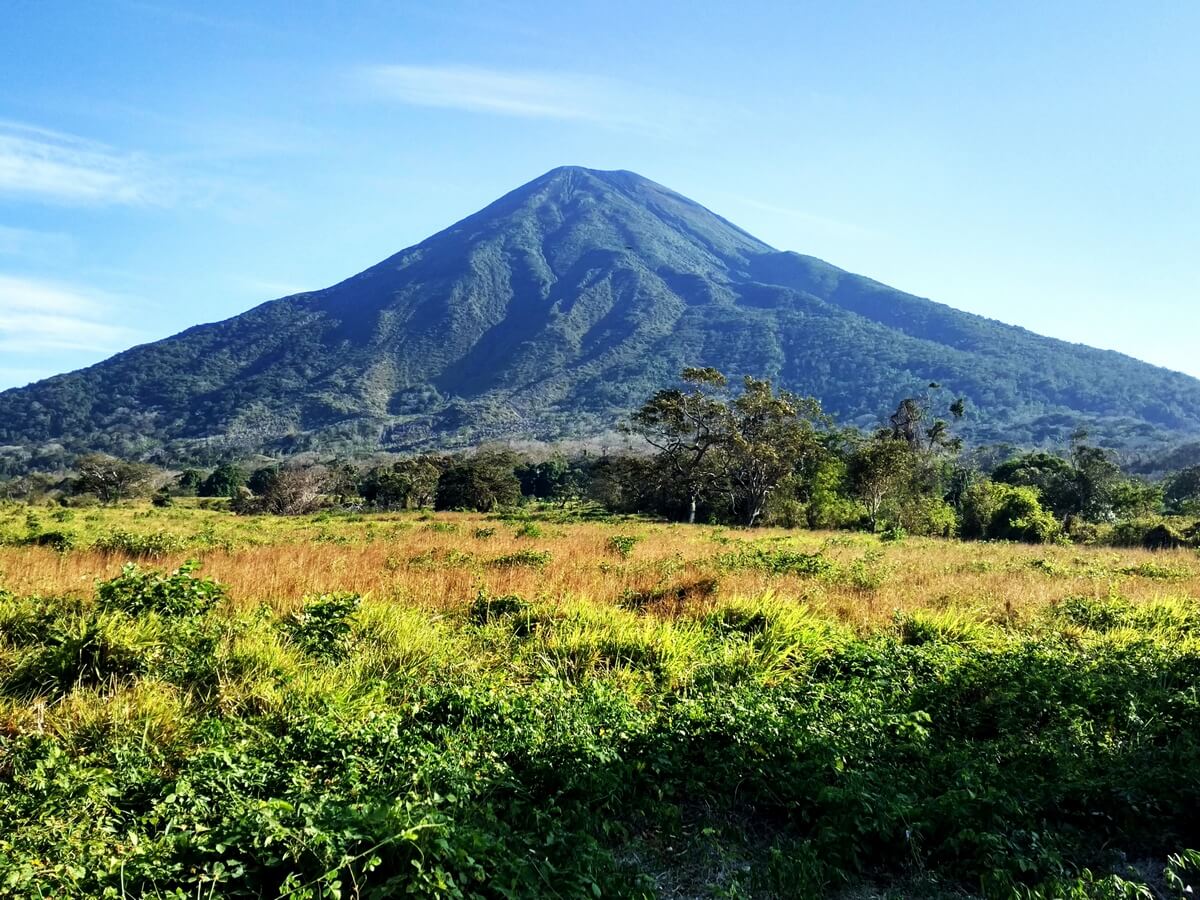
(702, 451)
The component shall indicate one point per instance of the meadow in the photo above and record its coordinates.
(556, 702)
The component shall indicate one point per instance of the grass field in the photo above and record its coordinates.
(544, 704)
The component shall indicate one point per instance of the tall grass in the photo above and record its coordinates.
(372, 707)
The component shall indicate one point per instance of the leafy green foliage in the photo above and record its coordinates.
(223, 481)
(997, 511)
(533, 559)
(623, 544)
(776, 561)
(527, 749)
(177, 593)
(483, 482)
(322, 626)
(147, 546)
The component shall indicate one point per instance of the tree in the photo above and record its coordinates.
(1089, 485)
(482, 482)
(908, 423)
(1095, 481)
(1182, 492)
(687, 427)
(109, 478)
(407, 482)
(224, 481)
(993, 510)
(622, 483)
(189, 481)
(1131, 498)
(882, 468)
(260, 480)
(769, 436)
(291, 492)
(1052, 476)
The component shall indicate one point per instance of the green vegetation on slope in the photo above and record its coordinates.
(554, 311)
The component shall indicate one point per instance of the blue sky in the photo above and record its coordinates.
(166, 163)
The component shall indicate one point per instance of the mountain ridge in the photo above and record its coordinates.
(553, 311)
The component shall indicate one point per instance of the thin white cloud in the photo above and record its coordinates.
(524, 94)
(48, 165)
(38, 315)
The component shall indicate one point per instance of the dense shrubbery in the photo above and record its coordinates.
(359, 749)
(993, 510)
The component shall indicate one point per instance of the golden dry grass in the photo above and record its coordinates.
(443, 561)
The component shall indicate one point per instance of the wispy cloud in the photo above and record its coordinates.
(49, 165)
(524, 94)
(37, 315)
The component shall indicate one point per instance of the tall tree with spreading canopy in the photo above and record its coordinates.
(688, 428)
(770, 435)
(109, 478)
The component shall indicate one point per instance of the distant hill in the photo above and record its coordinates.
(554, 311)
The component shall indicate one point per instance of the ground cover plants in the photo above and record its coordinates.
(462, 705)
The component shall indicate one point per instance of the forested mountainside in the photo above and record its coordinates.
(553, 312)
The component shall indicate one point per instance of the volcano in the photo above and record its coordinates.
(552, 313)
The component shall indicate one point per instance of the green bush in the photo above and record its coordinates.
(930, 516)
(775, 561)
(322, 627)
(177, 593)
(529, 530)
(82, 650)
(145, 546)
(62, 541)
(623, 544)
(994, 511)
(486, 608)
(534, 559)
(1163, 537)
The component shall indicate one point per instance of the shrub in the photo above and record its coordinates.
(321, 628)
(623, 544)
(83, 650)
(147, 546)
(670, 595)
(486, 608)
(995, 511)
(223, 482)
(775, 561)
(535, 559)
(481, 482)
(1157, 571)
(178, 593)
(529, 530)
(1163, 537)
(1129, 533)
(62, 541)
(929, 516)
